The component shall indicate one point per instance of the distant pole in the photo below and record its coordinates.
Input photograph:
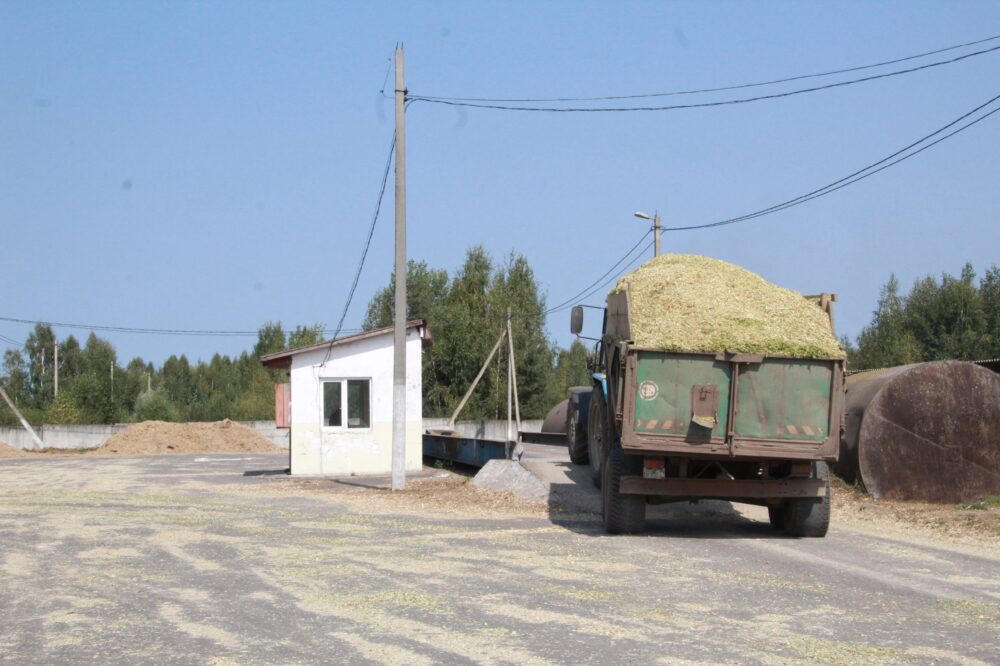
(55, 368)
(657, 230)
(399, 320)
(112, 379)
(510, 390)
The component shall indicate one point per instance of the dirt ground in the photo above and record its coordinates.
(972, 523)
(223, 559)
(158, 437)
(7, 451)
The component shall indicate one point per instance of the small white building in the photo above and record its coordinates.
(338, 402)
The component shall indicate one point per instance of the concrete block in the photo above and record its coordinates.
(510, 476)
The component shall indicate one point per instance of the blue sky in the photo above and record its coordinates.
(214, 165)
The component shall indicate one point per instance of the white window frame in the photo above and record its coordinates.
(343, 404)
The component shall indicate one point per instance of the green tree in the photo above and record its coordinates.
(40, 349)
(270, 339)
(425, 293)
(947, 318)
(303, 336)
(989, 292)
(570, 370)
(886, 341)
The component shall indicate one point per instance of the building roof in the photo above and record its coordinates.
(283, 359)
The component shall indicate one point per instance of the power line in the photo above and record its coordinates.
(573, 299)
(143, 331)
(129, 329)
(10, 341)
(870, 170)
(720, 89)
(371, 231)
(674, 107)
(613, 278)
(364, 253)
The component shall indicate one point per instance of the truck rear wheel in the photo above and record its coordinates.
(776, 514)
(597, 434)
(623, 514)
(576, 442)
(810, 517)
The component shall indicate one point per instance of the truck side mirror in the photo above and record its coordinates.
(576, 320)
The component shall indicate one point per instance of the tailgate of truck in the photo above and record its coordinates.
(689, 403)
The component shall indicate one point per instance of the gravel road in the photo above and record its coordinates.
(222, 559)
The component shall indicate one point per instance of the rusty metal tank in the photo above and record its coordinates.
(928, 431)
(555, 420)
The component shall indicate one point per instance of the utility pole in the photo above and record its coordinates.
(399, 319)
(55, 367)
(657, 230)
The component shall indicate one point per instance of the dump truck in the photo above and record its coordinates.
(674, 426)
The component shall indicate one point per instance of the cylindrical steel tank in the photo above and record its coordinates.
(928, 431)
(555, 420)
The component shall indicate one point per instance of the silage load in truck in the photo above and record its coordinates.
(685, 302)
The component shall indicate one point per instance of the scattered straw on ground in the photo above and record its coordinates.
(977, 523)
(7, 451)
(442, 494)
(685, 302)
(157, 437)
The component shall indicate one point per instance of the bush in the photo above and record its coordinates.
(155, 406)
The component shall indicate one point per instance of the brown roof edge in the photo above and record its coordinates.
(283, 359)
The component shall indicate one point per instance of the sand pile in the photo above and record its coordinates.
(685, 302)
(8, 451)
(154, 437)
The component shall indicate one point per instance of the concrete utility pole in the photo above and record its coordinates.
(657, 229)
(20, 417)
(55, 368)
(399, 320)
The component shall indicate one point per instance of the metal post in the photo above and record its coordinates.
(657, 229)
(399, 320)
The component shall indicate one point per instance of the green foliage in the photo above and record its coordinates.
(93, 388)
(950, 318)
(466, 314)
(154, 406)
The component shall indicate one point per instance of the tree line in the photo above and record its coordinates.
(465, 314)
(95, 388)
(939, 318)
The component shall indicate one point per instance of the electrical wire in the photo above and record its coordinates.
(720, 89)
(613, 277)
(870, 170)
(674, 107)
(573, 299)
(364, 252)
(11, 341)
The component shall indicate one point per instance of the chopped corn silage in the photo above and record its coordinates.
(686, 302)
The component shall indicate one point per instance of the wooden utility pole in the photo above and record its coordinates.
(399, 319)
(55, 368)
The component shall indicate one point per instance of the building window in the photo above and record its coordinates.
(352, 396)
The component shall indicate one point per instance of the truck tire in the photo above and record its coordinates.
(597, 434)
(576, 442)
(623, 514)
(810, 517)
(776, 514)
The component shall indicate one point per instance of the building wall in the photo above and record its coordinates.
(318, 450)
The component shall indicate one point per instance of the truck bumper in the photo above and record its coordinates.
(723, 488)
